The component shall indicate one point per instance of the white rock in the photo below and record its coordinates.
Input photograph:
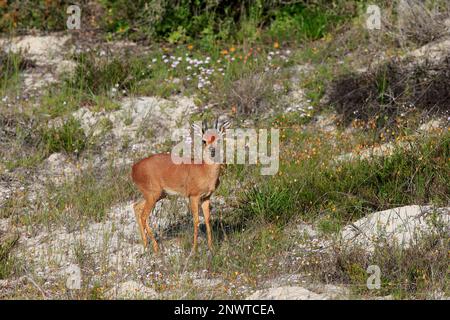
(335, 292)
(36, 80)
(383, 150)
(5, 194)
(206, 283)
(116, 237)
(161, 115)
(4, 283)
(45, 51)
(74, 278)
(66, 67)
(42, 48)
(135, 290)
(286, 293)
(434, 51)
(326, 122)
(431, 125)
(4, 225)
(402, 226)
(308, 230)
(58, 167)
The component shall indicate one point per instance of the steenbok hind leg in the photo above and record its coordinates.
(207, 215)
(148, 208)
(138, 207)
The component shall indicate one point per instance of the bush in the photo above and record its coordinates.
(69, 137)
(417, 271)
(251, 94)
(421, 22)
(99, 76)
(302, 22)
(12, 63)
(7, 264)
(347, 191)
(392, 89)
(269, 202)
(183, 20)
(90, 196)
(29, 14)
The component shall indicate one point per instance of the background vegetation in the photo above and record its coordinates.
(242, 59)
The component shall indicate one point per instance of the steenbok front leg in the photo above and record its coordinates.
(138, 207)
(207, 215)
(194, 207)
(145, 214)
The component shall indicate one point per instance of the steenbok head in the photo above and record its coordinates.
(211, 138)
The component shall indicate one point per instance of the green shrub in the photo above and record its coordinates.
(414, 272)
(391, 89)
(11, 64)
(69, 137)
(302, 22)
(349, 190)
(269, 202)
(183, 20)
(32, 14)
(91, 195)
(95, 75)
(7, 262)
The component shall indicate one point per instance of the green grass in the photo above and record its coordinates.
(89, 196)
(69, 137)
(28, 161)
(415, 272)
(302, 22)
(260, 211)
(11, 64)
(256, 239)
(7, 260)
(96, 75)
(98, 79)
(86, 198)
(347, 191)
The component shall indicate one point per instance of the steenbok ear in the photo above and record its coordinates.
(224, 126)
(216, 123)
(198, 131)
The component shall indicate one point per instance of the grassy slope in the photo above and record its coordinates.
(307, 188)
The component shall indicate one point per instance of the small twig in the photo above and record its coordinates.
(221, 226)
(187, 260)
(37, 286)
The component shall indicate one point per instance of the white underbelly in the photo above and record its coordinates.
(171, 192)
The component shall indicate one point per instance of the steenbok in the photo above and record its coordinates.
(158, 176)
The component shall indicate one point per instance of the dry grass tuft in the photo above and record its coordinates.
(421, 22)
(251, 94)
(392, 89)
(419, 271)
